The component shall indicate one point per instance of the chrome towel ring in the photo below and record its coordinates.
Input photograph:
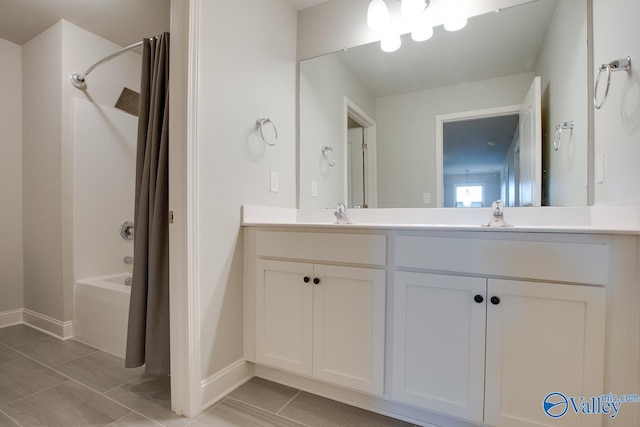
(260, 123)
(623, 64)
(557, 136)
(325, 150)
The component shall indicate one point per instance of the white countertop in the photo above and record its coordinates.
(574, 220)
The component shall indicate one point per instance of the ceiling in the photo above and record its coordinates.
(304, 4)
(122, 21)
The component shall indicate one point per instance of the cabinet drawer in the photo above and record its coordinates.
(554, 261)
(330, 247)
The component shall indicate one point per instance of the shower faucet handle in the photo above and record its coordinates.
(127, 230)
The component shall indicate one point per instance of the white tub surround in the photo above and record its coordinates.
(603, 219)
(102, 312)
(443, 323)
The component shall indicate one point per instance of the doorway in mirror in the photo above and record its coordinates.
(491, 154)
(360, 154)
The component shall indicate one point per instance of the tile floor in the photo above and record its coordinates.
(47, 382)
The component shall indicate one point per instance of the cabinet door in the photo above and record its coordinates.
(542, 338)
(439, 343)
(284, 303)
(349, 327)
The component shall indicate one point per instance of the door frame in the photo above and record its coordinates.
(351, 109)
(186, 389)
(441, 119)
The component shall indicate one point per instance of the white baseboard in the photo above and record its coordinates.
(49, 325)
(11, 317)
(224, 382)
(371, 403)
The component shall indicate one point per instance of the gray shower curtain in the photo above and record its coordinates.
(148, 333)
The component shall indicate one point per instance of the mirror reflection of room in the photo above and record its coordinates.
(492, 63)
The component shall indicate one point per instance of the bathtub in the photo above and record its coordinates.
(102, 312)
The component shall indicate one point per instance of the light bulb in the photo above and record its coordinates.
(455, 18)
(456, 21)
(422, 34)
(412, 7)
(423, 29)
(378, 15)
(390, 42)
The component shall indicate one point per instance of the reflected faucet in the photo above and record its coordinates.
(341, 214)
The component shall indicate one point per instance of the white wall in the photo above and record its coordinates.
(246, 70)
(11, 274)
(406, 133)
(105, 142)
(565, 97)
(42, 173)
(48, 97)
(617, 125)
(324, 82)
(80, 50)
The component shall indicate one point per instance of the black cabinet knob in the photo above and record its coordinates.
(479, 299)
(495, 300)
(316, 281)
(307, 279)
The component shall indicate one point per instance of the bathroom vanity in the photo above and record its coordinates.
(447, 325)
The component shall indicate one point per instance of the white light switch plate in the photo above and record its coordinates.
(275, 182)
(426, 198)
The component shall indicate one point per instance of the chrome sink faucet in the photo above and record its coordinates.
(341, 214)
(497, 209)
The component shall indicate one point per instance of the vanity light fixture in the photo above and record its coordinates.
(378, 18)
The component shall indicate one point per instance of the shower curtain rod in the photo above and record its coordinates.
(78, 80)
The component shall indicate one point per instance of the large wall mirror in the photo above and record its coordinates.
(459, 120)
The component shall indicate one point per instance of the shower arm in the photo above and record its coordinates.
(78, 80)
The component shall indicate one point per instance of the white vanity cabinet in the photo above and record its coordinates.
(321, 320)
(490, 350)
(542, 338)
(439, 343)
(485, 350)
(402, 321)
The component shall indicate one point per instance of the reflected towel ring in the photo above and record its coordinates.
(325, 149)
(623, 64)
(260, 125)
(557, 136)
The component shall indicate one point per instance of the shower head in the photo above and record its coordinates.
(78, 81)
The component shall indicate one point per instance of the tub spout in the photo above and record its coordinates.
(128, 260)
